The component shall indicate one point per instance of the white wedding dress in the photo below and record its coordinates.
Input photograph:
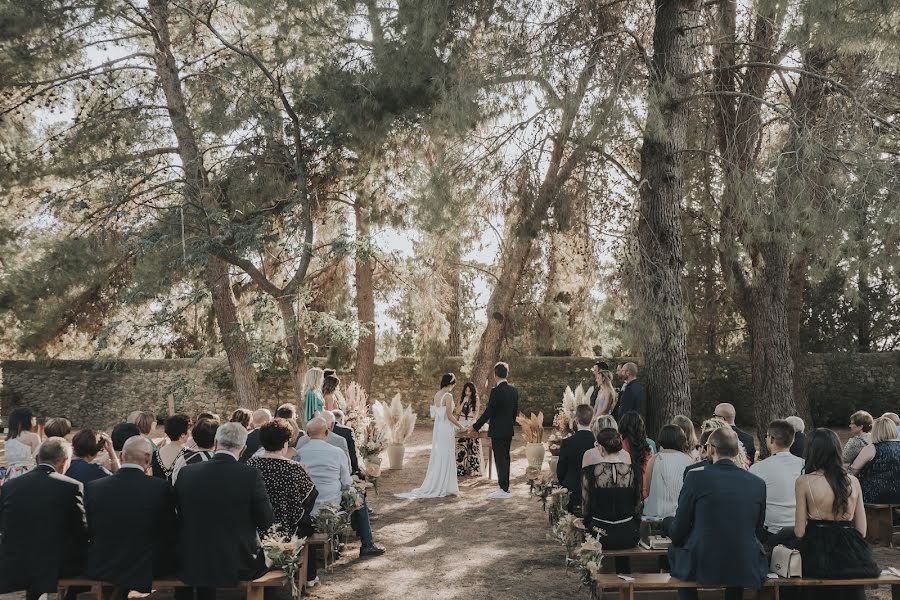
(440, 480)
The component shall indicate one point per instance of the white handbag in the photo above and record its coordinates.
(786, 562)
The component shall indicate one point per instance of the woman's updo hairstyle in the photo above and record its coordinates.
(610, 440)
(448, 379)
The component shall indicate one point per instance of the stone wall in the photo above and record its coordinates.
(101, 394)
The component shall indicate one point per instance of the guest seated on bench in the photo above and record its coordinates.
(715, 531)
(878, 465)
(666, 473)
(611, 496)
(86, 445)
(780, 472)
(43, 529)
(831, 520)
(571, 455)
(131, 519)
(221, 503)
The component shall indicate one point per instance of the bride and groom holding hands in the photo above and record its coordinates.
(500, 416)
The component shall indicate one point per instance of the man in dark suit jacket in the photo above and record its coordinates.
(720, 515)
(571, 454)
(131, 519)
(347, 434)
(261, 416)
(500, 414)
(727, 413)
(632, 397)
(42, 524)
(221, 504)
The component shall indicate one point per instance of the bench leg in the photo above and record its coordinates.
(895, 592)
(881, 526)
(255, 592)
(301, 573)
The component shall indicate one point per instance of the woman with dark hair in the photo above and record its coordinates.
(177, 428)
(242, 416)
(468, 450)
(329, 392)
(21, 442)
(831, 519)
(204, 435)
(610, 495)
(86, 445)
(665, 472)
(635, 443)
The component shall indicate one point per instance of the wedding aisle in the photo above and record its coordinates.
(454, 548)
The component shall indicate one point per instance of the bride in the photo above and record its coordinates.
(440, 480)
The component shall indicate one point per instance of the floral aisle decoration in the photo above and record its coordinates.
(354, 498)
(286, 555)
(332, 521)
(568, 530)
(558, 504)
(588, 560)
(565, 414)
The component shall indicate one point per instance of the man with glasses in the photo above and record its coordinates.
(726, 412)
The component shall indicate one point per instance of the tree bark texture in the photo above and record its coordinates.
(454, 311)
(660, 260)
(234, 339)
(294, 341)
(365, 305)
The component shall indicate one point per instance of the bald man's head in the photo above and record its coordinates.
(726, 412)
(328, 416)
(317, 428)
(138, 451)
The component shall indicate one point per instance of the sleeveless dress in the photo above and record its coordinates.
(19, 459)
(878, 479)
(665, 484)
(313, 402)
(440, 480)
(609, 503)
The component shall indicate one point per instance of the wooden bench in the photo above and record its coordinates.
(321, 542)
(640, 560)
(770, 591)
(880, 523)
(255, 589)
(638, 552)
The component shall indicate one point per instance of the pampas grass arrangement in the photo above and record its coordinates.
(356, 411)
(396, 420)
(532, 427)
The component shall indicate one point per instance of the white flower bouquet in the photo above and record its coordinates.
(286, 555)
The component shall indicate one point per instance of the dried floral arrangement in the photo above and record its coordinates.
(396, 420)
(532, 427)
(565, 414)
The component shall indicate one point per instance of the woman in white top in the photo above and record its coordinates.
(666, 473)
(604, 396)
(21, 442)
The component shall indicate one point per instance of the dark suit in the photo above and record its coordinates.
(715, 534)
(632, 398)
(131, 519)
(799, 445)
(347, 434)
(501, 412)
(747, 440)
(43, 531)
(86, 472)
(702, 463)
(253, 444)
(221, 504)
(568, 469)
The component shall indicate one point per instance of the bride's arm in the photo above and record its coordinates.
(448, 406)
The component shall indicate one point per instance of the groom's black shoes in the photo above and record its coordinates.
(373, 550)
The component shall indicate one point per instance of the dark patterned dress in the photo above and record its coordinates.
(878, 479)
(291, 492)
(468, 451)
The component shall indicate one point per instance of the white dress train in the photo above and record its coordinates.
(440, 479)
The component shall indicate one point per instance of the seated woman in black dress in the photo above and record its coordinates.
(831, 520)
(610, 495)
(290, 488)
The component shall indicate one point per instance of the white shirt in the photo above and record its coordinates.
(329, 468)
(780, 472)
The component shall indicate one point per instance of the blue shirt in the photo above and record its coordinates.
(86, 472)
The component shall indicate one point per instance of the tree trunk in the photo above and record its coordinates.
(661, 262)
(797, 279)
(234, 341)
(294, 341)
(365, 306)
(863, 312)
(454, 312)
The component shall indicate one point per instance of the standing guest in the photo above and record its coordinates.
(329, 469)
(780, 472)
(131, 519)
(799, 444)
(860, 436)
(665, 472)
(261, 416)
(177, 428)
(604, 395)
(878, 465)
(330, 387)
(632, 397)
(831, 520)
(204, 435)
(468, 449)
(58, 427)
(42, 524)
(21, 442)
(346, 433)
(571, 455)
(716, 529)
(704, 455)
(727, 413)
(242, 416)
(338, 394)
(86, 445)
(635, 443)
(313, 401)
(895, 419)
(691, 444)
(208, 495)
(610, 495)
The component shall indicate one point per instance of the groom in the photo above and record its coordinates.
(501, 411)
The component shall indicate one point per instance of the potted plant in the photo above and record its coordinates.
(398, 422)
(533, 434)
